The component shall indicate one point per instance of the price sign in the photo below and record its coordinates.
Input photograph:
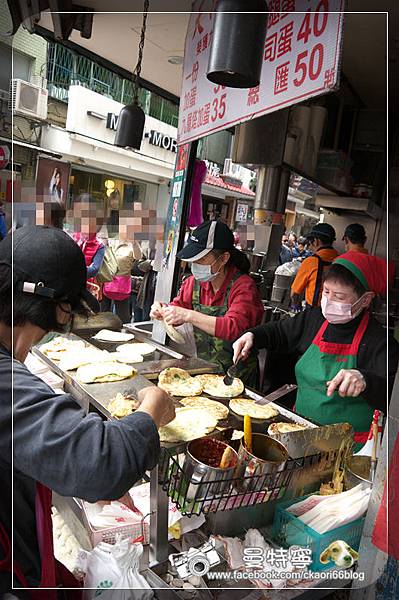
(301, 59)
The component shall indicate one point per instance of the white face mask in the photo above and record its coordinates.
(203, 273)
(339, 313)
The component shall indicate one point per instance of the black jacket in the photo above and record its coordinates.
(297, 333)
(74, 454)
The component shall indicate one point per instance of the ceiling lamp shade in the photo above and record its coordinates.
(130, 128)
(238, 40)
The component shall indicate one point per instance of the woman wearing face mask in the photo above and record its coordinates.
(342, 373)
(219, 299)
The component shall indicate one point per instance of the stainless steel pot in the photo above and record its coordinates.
(256, 261)
(357, 470)
(200, 475)
(267, 456)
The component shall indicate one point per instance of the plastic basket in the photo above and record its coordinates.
(138, 532)
(289, 530)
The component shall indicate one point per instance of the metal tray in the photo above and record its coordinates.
(94, 394)
(100, 394)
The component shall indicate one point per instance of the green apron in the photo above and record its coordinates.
(319, 364)
(217, 350)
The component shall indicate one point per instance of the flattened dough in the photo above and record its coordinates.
(217, 409)
(136, 347)
(107, 335)
(59, 345)
(275, 428)
(214, 386)
(179, 382)
(247, 406)
(189, 424)
(122, 405)
(104, 372)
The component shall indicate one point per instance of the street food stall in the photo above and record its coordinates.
(222, 477)
(247, 493)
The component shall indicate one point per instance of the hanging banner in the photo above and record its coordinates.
(301, 59)
(175, 207)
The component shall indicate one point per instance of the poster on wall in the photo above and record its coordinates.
(301, 59)
(52, 181)
(242, 212)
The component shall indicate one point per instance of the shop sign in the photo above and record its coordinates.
(156, 138)
(301, 59)
(4, 156)
(212, 168)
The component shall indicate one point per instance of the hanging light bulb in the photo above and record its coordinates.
(238, 40)
(130, 129)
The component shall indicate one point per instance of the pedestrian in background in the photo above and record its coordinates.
(118, 291)
(309, 279)
(355, 238)
(301, 251)
(87, 220)
(285, 251)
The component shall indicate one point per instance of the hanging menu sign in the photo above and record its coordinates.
(301, 59)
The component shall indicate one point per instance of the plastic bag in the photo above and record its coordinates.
(116, 567)
(289, 268)
(114, 514)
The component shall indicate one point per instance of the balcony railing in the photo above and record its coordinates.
(65, 68)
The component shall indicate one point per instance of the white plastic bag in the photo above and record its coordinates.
(113, 573)
(114, 514)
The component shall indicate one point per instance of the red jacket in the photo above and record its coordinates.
(245, 308)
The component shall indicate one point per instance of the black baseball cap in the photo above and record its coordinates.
(355, 233)
(210, 235)
(48, 263)
(323, 231)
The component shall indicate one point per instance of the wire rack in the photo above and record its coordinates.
(194, 497)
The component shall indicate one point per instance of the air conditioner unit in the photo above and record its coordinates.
(28, 99)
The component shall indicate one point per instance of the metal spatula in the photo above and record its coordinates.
(231, 373)
(285, 389)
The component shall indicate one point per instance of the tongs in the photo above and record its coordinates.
(231, 373)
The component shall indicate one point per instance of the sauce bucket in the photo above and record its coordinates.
(201, 468)
(357, 470)
(267, 456)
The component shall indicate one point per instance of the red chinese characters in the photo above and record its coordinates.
(253, 96)
(287, 6)
(279, 43)
(190, 98)
(274, 7)
(204, 43)
(284, 43)
(281, 78)
(270, 47)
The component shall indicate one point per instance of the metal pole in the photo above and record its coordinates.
(159, 506)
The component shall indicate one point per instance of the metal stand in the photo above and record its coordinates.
(159, 504)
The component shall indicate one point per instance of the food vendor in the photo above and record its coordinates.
(219, 299)
(342, 373)
(57, 446)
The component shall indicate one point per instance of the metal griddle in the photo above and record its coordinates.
(99, 395)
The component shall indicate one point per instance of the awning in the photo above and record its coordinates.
(218, 182)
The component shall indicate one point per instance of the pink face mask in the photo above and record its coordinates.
(339, 313)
